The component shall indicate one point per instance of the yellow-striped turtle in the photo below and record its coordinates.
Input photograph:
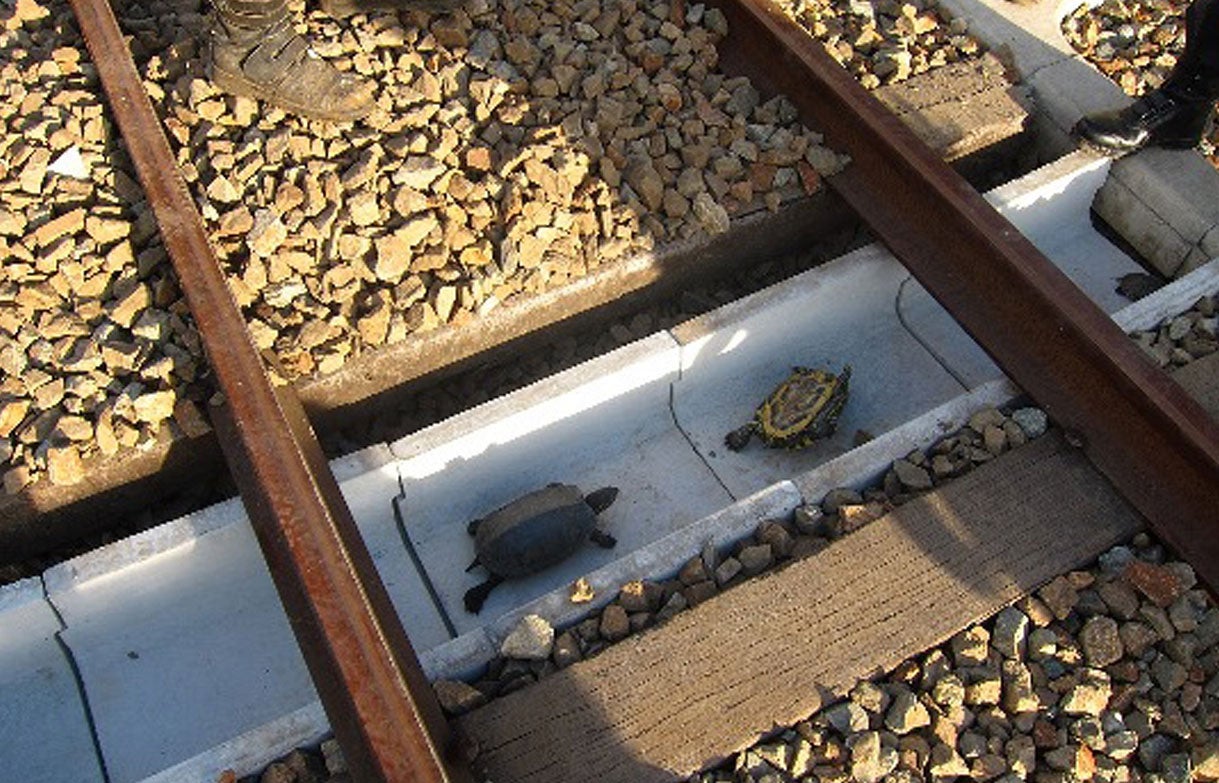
(801, 409)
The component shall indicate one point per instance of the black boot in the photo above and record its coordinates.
(255, 52)
(1174, 116)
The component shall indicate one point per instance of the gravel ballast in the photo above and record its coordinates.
(516, 147)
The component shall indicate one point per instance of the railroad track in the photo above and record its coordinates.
(1132, 422)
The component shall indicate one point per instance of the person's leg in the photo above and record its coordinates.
(256, 52)
(1201, 55)
(1175, 115)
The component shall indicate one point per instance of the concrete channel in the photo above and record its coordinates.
(167, 657)
(176, 642)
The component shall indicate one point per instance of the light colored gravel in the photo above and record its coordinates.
(885, 41)
(1184, 338)
(517, 145)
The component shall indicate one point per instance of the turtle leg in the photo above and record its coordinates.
(476, 596)
(739, 438)
(602, 539)
(601, 499)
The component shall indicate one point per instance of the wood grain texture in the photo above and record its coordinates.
(713, 680)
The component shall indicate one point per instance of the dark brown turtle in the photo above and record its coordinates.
(801, 409)
(533, 533)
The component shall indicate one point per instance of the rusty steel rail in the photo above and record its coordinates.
(1154, 442)
(381, 707)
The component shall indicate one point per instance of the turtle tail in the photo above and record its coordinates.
(601, 499)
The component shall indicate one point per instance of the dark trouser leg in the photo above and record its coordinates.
(256, 53)
(1175, 115)
(1200, 60)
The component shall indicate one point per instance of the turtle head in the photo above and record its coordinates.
(601, 499)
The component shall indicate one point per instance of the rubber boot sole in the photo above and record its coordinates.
(238, 84)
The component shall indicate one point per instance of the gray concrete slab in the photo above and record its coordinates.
(1051, 208)
(184, 648)
(844, 312)
(1166, 204)
(604, 423)
(43, 720)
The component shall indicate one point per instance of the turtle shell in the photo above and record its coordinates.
(802, 408)
(534, 532)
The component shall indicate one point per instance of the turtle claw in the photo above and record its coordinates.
(739, 438)
(472, 528)
(602, 539)
(476, 596)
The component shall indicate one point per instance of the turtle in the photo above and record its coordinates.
(801, 409)
(534, 532)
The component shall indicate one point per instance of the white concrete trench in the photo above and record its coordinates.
(175, 639)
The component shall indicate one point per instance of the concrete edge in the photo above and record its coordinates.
(252, 751)
(740, 310)
(1170, 300)
(357, 463)
(556, 396)
(1048, 180)
(170, 535)
(1157, 200)
(863, 465)
(142, 546)
(24, 591)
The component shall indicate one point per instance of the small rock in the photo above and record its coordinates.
(847, 717)
(870, 759)
(1090, 696)
(1033, 421)
(458, 698)
(969, 647)
(615, 623)
(1010, 633)
(727, 570)
(530, 640)
(912, 476)
(1160, 584)
(755, 559)
(1060, 596)
(945, 763)
(1101, 642)
(581, 591)
(566, 650)
(906, 714)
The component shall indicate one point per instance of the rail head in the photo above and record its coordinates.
(380, 705)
